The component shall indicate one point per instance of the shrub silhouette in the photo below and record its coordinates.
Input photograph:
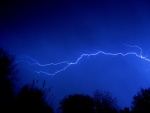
(77, 104)
(31, 99)
(141, 101)
(105, 103)
(7, 68)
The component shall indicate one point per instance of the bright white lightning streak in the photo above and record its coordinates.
(68, 64)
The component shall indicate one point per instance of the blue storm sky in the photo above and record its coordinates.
(59, 30)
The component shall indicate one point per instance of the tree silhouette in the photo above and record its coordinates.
(125, 110)
(31, 99)
(6, 64)
(7, 68)
(141, 101)
(104, 103)
(77, 104)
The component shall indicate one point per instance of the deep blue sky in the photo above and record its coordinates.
(58, 30)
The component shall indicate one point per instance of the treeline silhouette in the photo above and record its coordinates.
(33, 99)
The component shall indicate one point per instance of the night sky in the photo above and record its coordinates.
(56, 30)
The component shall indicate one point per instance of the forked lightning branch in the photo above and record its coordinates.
(67, 64)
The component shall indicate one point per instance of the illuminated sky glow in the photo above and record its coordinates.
(68, 64)
(81, 43)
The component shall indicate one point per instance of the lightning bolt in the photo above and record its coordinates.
(68, 64)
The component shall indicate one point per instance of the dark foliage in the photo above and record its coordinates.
(6, 64)
(32, 100)
(125, 110)
(6, 70)
(141, 101)
(29, 99)
(77, 104)
(104, 103)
